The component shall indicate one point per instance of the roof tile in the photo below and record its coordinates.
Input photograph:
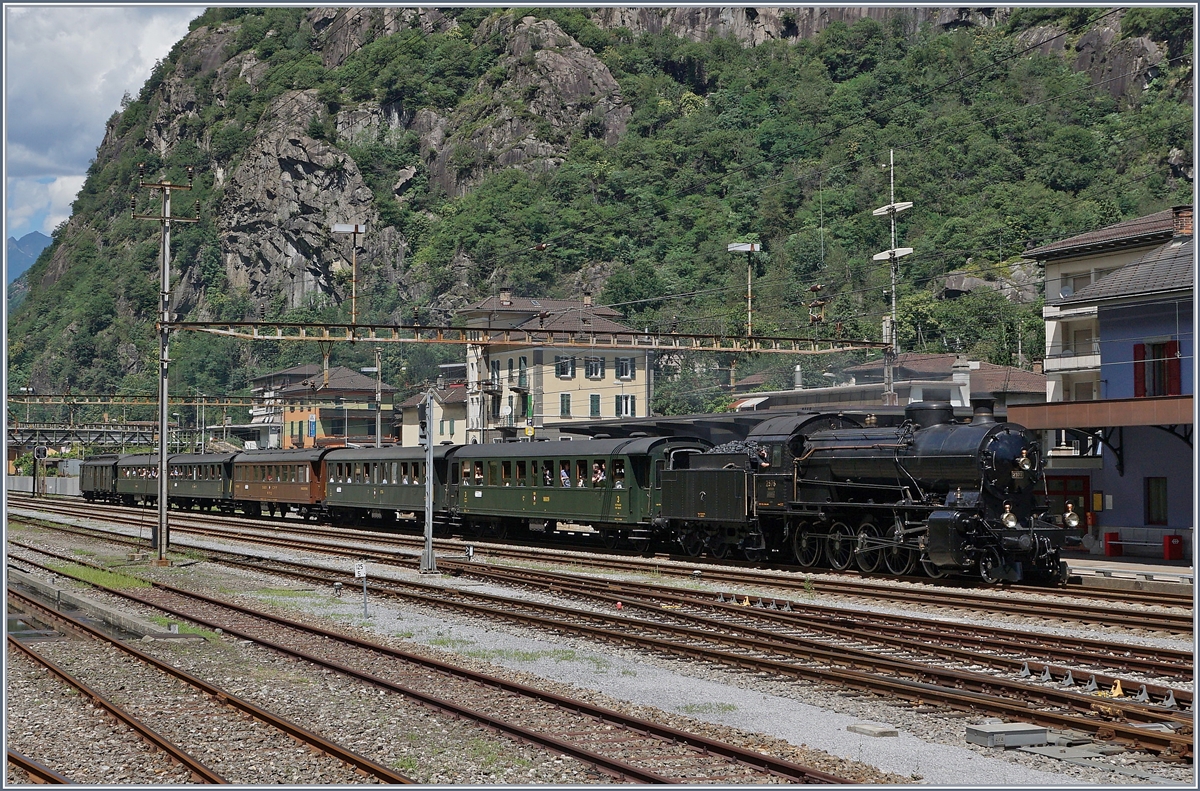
(1142, 229)
(1166, 268)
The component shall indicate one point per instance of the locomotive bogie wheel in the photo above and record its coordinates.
(868, 559)
(839, 546)
(900, 560)
(807, 548)
(991, 568)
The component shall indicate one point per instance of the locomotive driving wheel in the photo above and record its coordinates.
(931, 571)
(899, 559)
(807, 548)
(867, 554)
(839, 546)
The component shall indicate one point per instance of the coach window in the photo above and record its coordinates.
(659, 466)
(479, 473)
(521, 473)
(455, 471)
(581, 473)
(418, 472)
(506, 473)
(493, 474)
(618, 473)
(548, 473)
(564, 474)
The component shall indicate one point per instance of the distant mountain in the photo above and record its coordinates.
(23, 252)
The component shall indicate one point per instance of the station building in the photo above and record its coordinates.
(1119, 359)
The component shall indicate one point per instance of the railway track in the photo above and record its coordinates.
(924, 595)
(199, 771)
(761, 651)
(589, 733)
(38, 773)
(291, 731)
(735, 572)
(969, 644)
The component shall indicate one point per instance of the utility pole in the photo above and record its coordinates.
(378, 371)
(160, 539)
(424, 417)
(355, 230)
(893, 256)
(749, 250)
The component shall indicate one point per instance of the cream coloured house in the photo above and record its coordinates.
(512, 388)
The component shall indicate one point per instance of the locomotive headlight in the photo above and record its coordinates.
(1070, 518)
(1009, 519)
(1025, 462)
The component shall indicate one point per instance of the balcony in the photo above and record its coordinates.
(1082, 357)
(491, 386)
(518, 383)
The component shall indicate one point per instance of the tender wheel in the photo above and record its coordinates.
(692, 543)
(839, 546)
(720, 551)
(931, 571)
(899, 560)
(866, 552)
(991, 569)
(640, 545)
(807, 548)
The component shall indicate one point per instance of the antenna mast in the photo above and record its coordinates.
(892, 256)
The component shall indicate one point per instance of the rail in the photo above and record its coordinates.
(38, 773)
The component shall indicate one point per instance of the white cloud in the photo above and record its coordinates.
(39, 204)
(66, 68)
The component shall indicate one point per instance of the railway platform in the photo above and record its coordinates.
(1131, 573)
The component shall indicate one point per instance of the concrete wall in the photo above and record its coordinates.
(1124, 326)
(24, 483)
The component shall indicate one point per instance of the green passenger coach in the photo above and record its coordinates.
(382, 483)
(610, 485)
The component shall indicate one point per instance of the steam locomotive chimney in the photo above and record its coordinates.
(983, 406)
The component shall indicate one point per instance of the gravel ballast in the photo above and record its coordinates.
(929, 746)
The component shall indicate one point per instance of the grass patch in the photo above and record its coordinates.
(406, 765)
(558, 655)
(487, 753)
(184, 628)
(99, 577)
(281, 593)
(87, 553)
(453, 643)
(708, 708)
(404, 635)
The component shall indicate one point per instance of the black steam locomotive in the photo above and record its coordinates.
(951, 497)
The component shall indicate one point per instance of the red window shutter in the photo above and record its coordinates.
(1174, 372)
(1139, 370)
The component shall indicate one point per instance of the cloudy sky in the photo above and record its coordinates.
(66, 69)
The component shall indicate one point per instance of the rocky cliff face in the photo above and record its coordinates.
(546, 88)
(753, 26)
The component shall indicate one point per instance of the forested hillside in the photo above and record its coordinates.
(634, 147)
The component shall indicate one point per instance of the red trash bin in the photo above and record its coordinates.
(1112, 545)
(1172, 547)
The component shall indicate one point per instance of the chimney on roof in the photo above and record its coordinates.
(1182, 216)
(1037, 366)
(506, 296)
(587, 299)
